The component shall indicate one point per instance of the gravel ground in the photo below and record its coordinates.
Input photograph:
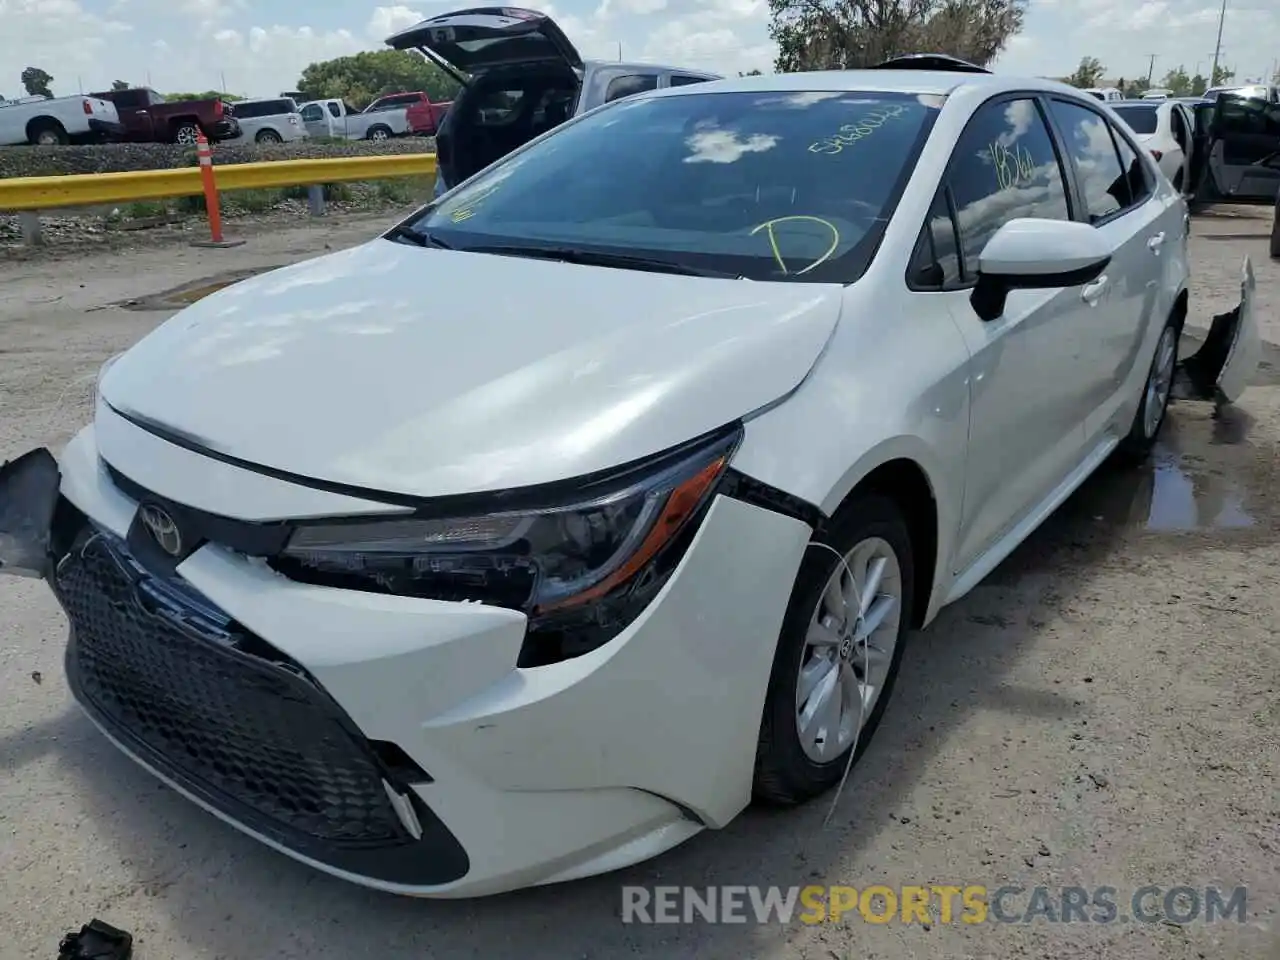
(1102, 711)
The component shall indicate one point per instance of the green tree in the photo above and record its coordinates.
(841, 34)
(38, 82)
(205, 95)
(1088, 74)
(1199, 84)
(371, 74)
(1177, 82)
(1222, 76)
(119, 85)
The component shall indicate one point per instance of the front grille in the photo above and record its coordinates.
(214, 706)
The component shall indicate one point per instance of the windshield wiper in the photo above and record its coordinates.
(595, 258)
(419, 237)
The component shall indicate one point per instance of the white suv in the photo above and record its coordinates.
(269, 121)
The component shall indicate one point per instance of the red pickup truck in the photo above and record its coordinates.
(423, 113)
(148, 118)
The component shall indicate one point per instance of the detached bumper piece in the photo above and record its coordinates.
(234, 723)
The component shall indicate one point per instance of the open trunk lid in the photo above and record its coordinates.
(469, 41)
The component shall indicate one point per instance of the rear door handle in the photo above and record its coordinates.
(1093, 292)
(1156, 242)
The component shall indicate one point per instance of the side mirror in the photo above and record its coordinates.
(1034, 254)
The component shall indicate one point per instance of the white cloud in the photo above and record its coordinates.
(388, 20)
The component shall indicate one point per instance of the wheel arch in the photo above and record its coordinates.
(899, 471)
(44, 121)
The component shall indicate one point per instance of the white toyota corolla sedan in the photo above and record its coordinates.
(600, 495)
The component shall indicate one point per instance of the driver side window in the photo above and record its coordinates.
(1005, 167)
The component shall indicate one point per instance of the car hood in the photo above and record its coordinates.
(434, 372)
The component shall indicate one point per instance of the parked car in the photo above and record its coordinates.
(1242, 147)
(520, 77)
(1167, 129)
(719, 392)
(1157, 94)
(52, 120)
(337, 118)
(424, 114)
(270, 121)
(1262, 91)
(1104, 93)
(149, 118)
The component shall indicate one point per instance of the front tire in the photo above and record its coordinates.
(838, 653)
(1156, 391)
(379, 134)
(268, 137)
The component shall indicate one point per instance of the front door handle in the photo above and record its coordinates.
(1156, 242)
(1093, 292)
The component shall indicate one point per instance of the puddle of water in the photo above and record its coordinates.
(1202, 476)
(189, 293)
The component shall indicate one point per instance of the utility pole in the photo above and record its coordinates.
(223, 77)
(1217, 47)
(1151, 67)
(619, 51)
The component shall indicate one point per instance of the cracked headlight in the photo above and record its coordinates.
(581, 568)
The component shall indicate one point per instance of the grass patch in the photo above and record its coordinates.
(145, 209)
(252, 201)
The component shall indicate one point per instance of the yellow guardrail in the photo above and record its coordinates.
(85, 190)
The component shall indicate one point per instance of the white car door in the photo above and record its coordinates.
(1026, 407)
(1119, 195)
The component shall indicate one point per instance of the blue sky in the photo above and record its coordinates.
(260, 46)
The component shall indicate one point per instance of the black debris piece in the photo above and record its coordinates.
(96, 941)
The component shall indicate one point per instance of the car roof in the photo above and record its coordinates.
(648, 67)
(934, 82)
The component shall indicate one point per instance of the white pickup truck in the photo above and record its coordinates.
(337, 118)
(51, 120)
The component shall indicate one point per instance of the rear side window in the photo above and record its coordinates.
(264, 108)
(130, 99)
(498, 107)
(1141, 119)
(630, 85)
(1004, 167)
(1138, 182)
(684, 80)
(1089, 142)
(334, 109)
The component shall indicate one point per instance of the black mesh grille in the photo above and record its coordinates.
(172, 673)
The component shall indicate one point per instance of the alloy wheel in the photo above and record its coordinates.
(1159, 382)
(848, 649)
(187, 135)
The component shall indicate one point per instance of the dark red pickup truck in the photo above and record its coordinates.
(423, 114)
(148, 118)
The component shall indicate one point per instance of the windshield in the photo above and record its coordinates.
(1142, 119)
(764, 185)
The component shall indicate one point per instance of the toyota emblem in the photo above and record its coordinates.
(164, 530)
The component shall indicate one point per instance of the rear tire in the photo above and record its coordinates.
(47, 133)
(186, 133)
(792, 767)
(1156, 391)
(268, 136)
(379, 133)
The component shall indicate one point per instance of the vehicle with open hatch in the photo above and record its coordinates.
(601, 495)
(520, 76)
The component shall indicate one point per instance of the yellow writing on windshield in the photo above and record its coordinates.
(851, 133)
(769, 225)
(1013, 165)
(468, 208)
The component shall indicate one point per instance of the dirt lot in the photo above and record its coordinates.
(1103, 711)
